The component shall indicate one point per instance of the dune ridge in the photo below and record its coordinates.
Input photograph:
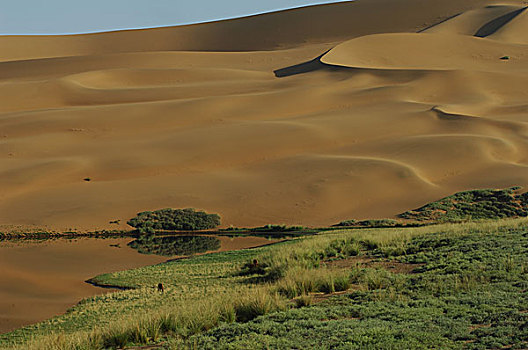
(290, 28)
(309, 116)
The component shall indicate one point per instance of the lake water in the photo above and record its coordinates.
(40, 279)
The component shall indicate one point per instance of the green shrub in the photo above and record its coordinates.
(277, 228)
(174, 219)
(471, 205)
(378, 223)
(346, 223)
(374, 223)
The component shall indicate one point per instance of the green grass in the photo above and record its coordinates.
(468, 291)
(471, 205)
(189, 282)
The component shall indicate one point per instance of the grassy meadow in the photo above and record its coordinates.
(449, 286)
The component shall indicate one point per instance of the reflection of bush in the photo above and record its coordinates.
(174, 219)
(171, 245)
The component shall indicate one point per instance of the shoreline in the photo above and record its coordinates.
(105, 288)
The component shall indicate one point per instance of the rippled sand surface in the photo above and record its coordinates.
(309, 116)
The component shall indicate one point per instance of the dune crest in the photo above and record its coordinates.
(515, 31)
(310, 116)
(433, 52)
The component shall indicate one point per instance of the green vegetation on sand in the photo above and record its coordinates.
(451, 286)
(174, 219)
(471, 205)
(467, 289)
(369, 223)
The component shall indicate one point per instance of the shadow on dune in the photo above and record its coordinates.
(487, 29)
(438, 23)
(494, 25)
(301, 68)
(440, 114)
(310, 66)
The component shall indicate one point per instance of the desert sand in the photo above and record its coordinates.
(309, 116)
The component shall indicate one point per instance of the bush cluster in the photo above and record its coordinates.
(373, 223)
(277, 228)
(174, 219)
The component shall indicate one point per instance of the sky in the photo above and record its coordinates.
(76, 16)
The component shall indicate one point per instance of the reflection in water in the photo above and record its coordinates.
(45, 278)
(40, 279)
(175, 245)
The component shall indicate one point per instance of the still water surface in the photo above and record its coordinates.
(40, 279)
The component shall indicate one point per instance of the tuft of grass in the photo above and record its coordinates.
(302, 281)
(375, 279)
(257, 303)
(303, 300)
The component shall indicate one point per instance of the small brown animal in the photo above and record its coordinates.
(255, 263)
(160, 288)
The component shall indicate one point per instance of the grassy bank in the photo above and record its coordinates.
(464, 286)
(468, 289)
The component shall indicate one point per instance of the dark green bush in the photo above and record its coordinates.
(369, 223)
(346, 223)
(277, 228)
(174, 219)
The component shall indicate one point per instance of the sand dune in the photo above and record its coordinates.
(315, 24)
(434, 52)
(478, 22)
(516, 29)
(309, 116)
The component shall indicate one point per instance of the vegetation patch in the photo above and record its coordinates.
(174, 219)
(367, 262)
(372, 223)
(467, 290)
(471, 205)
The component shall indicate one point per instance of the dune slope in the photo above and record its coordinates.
(375, 107)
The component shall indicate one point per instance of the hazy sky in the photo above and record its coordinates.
(75, 16)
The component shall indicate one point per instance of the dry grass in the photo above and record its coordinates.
(180, 322)
(301, 273)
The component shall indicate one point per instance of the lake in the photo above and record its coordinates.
(41, 279)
